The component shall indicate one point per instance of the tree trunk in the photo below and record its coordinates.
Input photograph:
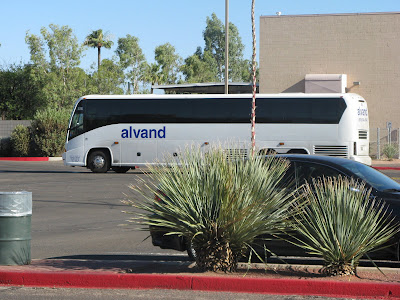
(216, 256)
(98, 58)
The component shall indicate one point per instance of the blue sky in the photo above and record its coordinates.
(154, 22)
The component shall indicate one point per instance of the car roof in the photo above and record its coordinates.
(317, 159)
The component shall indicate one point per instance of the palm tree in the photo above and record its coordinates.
(97, 39)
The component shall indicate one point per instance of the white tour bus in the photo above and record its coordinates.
(121, 132)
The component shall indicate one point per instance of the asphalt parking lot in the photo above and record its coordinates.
(77, 212)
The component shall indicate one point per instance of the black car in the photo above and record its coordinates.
(302, 169)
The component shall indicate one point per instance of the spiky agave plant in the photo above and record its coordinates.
(341, 222)
(219, 205)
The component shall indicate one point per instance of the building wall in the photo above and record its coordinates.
(366, 47)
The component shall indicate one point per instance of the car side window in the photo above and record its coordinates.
(288, 179)
(306, 171)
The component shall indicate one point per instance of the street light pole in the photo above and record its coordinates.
(226, 46)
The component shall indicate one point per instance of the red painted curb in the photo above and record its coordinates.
(25, 158)
(109, 280)
(105, 280)
(386, 168)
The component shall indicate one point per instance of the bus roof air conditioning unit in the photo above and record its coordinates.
(325, 83)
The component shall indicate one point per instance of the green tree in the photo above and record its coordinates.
(214, 38)
(97, 39)
(108, 79)
(169, 62)
(153, 75)
(209, 65)
(55, 57)
(132, 60)
(200, 67)
(19, 93)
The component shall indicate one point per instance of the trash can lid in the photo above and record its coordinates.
(15, 203)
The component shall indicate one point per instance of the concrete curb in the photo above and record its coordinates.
(30, 158)
(110, 280)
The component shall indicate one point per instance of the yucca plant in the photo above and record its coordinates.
(340, 222)
(220, 206)
(390, 151)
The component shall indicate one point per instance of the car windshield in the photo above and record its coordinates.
(376, 179)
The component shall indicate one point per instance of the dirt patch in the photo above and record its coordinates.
(364, 274)
(386, 162)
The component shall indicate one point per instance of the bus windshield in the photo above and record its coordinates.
(76, 126)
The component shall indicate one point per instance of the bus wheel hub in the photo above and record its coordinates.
(98, 162)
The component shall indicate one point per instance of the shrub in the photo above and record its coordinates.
(20, 141)
(341, 223)
(220, 206)
(390, 151)
(49, 128)
(5, 146)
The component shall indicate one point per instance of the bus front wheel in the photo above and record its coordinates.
(98, 162)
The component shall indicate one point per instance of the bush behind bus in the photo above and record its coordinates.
(45, 136)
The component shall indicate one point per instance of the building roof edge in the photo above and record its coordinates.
(333, 14)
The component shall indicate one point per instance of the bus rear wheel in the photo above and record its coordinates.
(120, 169)
(98, 162)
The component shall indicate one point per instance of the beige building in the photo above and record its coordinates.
(365, 47)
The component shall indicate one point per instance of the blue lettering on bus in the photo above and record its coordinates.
(133, 133)
(362, 112)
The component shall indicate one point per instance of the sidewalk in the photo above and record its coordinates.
(175, 273)
(386, 164)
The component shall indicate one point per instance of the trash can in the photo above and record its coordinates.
(15, 228)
